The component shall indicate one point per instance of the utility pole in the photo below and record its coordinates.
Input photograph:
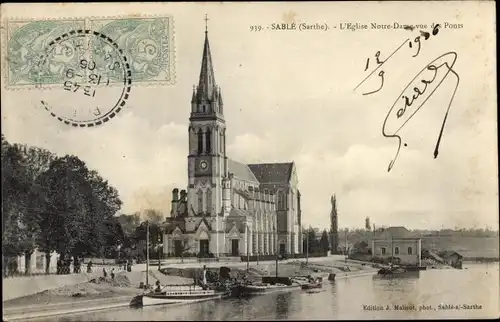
(248, 248)
(258, 249)
(392, 249)
(276, 247)
(307, 246)
(147, 253)
(217, 241)
(346, 244)
(159, 253)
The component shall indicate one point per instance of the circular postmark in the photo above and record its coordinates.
(94, 75)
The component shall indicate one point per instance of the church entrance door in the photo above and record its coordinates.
(204, 247)
(282, 249)
(235, 246)
(178, 248)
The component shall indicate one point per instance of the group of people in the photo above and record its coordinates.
(105, 273)
(64, 266)
(203, 281)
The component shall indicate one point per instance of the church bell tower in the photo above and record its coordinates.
(207, 162)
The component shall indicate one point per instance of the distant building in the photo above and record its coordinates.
(334, 227)
(452, 258)
(397, 242)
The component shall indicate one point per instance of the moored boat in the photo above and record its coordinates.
(264, 288)
(311, 286)
(312, 283)
(269, 284)
(397, 272)
(180, 294)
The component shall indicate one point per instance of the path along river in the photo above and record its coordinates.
(475, 290)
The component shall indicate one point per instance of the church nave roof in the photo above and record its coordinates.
(241, 171)
(272, 172)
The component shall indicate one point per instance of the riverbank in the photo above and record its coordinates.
(117, 291)
(101, 294)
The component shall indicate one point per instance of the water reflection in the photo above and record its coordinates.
(207, 314)
(282, 306)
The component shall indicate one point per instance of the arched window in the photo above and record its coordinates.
(208, 139)
(281, 200)
(396, 250)
(410, 251)
(200, 200)
(221, 143)
(224, 141)
(200, 142)
(209, 200)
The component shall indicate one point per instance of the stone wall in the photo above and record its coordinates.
(20, 286)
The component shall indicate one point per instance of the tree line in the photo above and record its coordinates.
(312, 244)
(135, 228)
(53, 203)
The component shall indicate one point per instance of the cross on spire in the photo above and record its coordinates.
(206, 23)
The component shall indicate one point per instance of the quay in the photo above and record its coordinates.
(290, 267)
(33, 312)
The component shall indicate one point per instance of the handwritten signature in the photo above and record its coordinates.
(420, 88)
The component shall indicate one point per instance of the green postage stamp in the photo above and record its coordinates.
(146, 42)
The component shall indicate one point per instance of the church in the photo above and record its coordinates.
(229, 208)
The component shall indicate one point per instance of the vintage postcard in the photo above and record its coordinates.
(249, 161)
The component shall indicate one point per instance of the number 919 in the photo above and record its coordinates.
(255, 28)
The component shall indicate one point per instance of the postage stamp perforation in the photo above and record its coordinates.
(4, 44)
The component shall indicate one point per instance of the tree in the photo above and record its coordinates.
(312, 242)
(77, 205)
(36, 162)
(155, 238)
(55, 204)
(367, 223)
(334, 232)
(21, 166)
(15, 183)
(68, 209)
(324, 242)
(129, 223)
(154, 216)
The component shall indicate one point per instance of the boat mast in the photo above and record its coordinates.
(276, 247)
(147, 252)
(307, 246)
(248, 248)
(392, 249)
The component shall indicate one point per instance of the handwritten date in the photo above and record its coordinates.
(416, 42)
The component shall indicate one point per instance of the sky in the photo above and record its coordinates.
(289, 96)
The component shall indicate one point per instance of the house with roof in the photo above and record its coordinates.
(229, 208)
(398, 243)
(452, 258)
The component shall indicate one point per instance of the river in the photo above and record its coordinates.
(476, 286)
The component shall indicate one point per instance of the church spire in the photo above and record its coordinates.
(206, 85)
